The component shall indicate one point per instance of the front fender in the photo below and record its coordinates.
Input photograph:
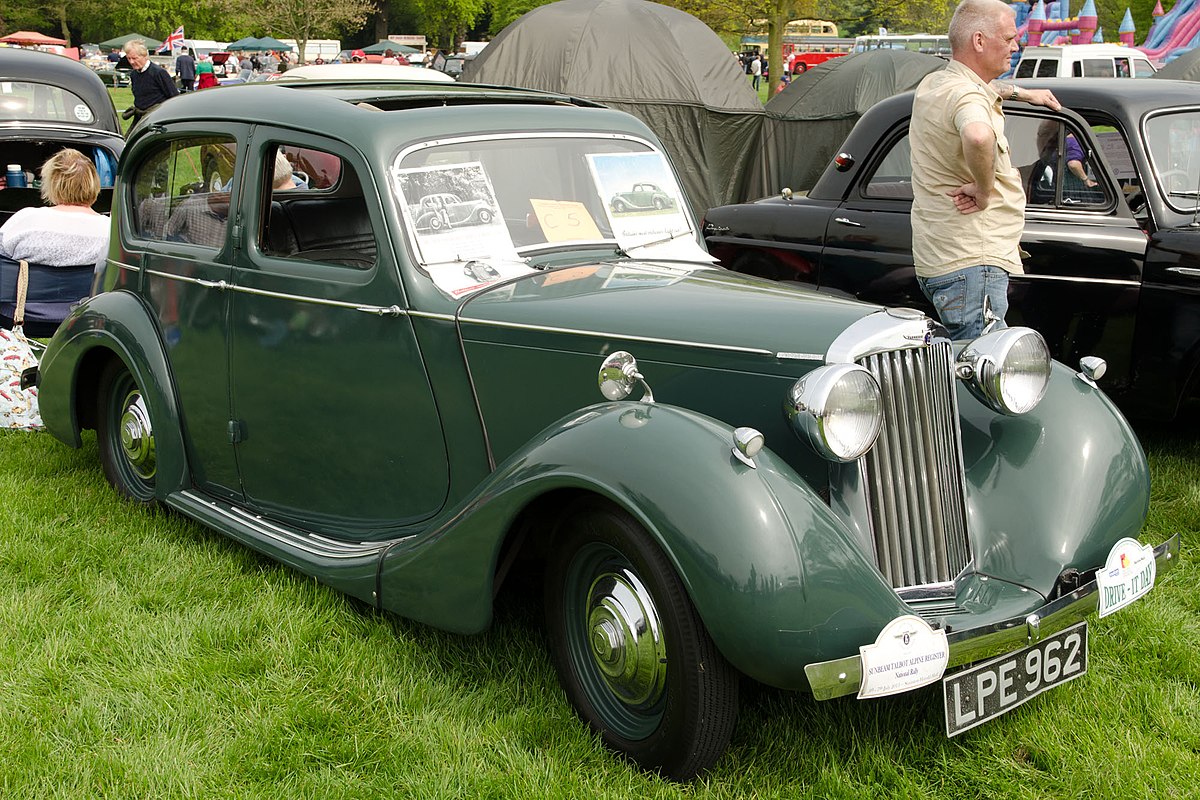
(774, 575)
(1055, 488)
(112, 325)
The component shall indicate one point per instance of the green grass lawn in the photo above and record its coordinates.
(144, 656)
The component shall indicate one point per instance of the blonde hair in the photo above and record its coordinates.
(69, 179)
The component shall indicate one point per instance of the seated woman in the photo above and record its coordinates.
(68, 232)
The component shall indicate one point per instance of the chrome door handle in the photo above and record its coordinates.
(1187, 272)
(851, 223)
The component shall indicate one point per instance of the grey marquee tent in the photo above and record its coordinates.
(808, 121)
(658, 63)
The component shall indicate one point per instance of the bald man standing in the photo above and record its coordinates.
(968, 207)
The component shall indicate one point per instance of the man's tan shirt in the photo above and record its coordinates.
(944, 240)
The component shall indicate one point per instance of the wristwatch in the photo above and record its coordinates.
(1016, 91)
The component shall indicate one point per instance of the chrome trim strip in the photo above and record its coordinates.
(1068, 279)
(388, 311)
(842, 676)
(1187, 272)
(927, 592)
(800, 357)
(25, 125)
(608, 335)
(881, 332)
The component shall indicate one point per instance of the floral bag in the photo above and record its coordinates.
(18, 407)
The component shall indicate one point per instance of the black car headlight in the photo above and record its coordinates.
(1007, 369)
(837, 409)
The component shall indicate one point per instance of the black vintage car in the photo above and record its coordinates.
(1113, 270)
(48, 102)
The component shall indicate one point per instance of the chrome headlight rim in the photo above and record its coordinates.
(986, 364)
(809, 409)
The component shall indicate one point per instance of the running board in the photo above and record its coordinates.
(270, 537)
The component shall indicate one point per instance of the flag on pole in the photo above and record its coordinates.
(173, 41)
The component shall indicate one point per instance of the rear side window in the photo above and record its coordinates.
(181, 191)
(306, 220)
(1047, 68)
(27, 101)
(1095, 68)
(892, 179)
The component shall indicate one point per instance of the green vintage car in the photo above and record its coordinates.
(717, 476)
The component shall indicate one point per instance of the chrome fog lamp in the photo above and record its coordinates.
(837, 409)
(1007, 369)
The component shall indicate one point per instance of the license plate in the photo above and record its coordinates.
(985, 691)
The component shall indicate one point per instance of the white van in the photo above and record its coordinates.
(1084, 61)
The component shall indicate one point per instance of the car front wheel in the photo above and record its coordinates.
(630, 649)
(125, 435)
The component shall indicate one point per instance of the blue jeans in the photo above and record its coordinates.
(958, 298)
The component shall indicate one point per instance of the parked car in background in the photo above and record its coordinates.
(1083, 61)
(49, 102)
(705, 476)
(1113, 270)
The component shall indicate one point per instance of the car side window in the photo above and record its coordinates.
(1056, 170)
(1026, 68)
(173, 198)
(892, 177)
(1047, 68)
(314, 208)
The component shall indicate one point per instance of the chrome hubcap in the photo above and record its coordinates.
(137, 437)
(625, 638)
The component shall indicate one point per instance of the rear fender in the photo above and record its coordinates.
(112, 325)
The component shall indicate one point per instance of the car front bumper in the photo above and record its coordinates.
(843, 676)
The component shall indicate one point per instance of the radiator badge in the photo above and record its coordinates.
(908, 653)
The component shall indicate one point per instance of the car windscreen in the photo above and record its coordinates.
(494, 202)
(1173, 141)
(29, 101)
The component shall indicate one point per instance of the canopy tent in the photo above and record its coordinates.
(246, 43)
(808, 121)
(379, 47)
(120, 42)
(30, 38)
(1184, 67)
(658, 63)
(271, 43)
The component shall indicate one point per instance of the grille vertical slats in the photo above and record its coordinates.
(913, 474)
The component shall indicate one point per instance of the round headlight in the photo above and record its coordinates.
(837, 409)
(1008, 369)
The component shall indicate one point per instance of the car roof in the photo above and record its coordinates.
(19, 64)
(1125, 100)
(363, 72)
(350, 111)
(1120, 97)
(1096, 48)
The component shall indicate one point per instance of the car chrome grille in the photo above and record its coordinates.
(914, 473)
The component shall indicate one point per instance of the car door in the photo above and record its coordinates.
(334, 417)
(1082, 278)
(177, 233)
